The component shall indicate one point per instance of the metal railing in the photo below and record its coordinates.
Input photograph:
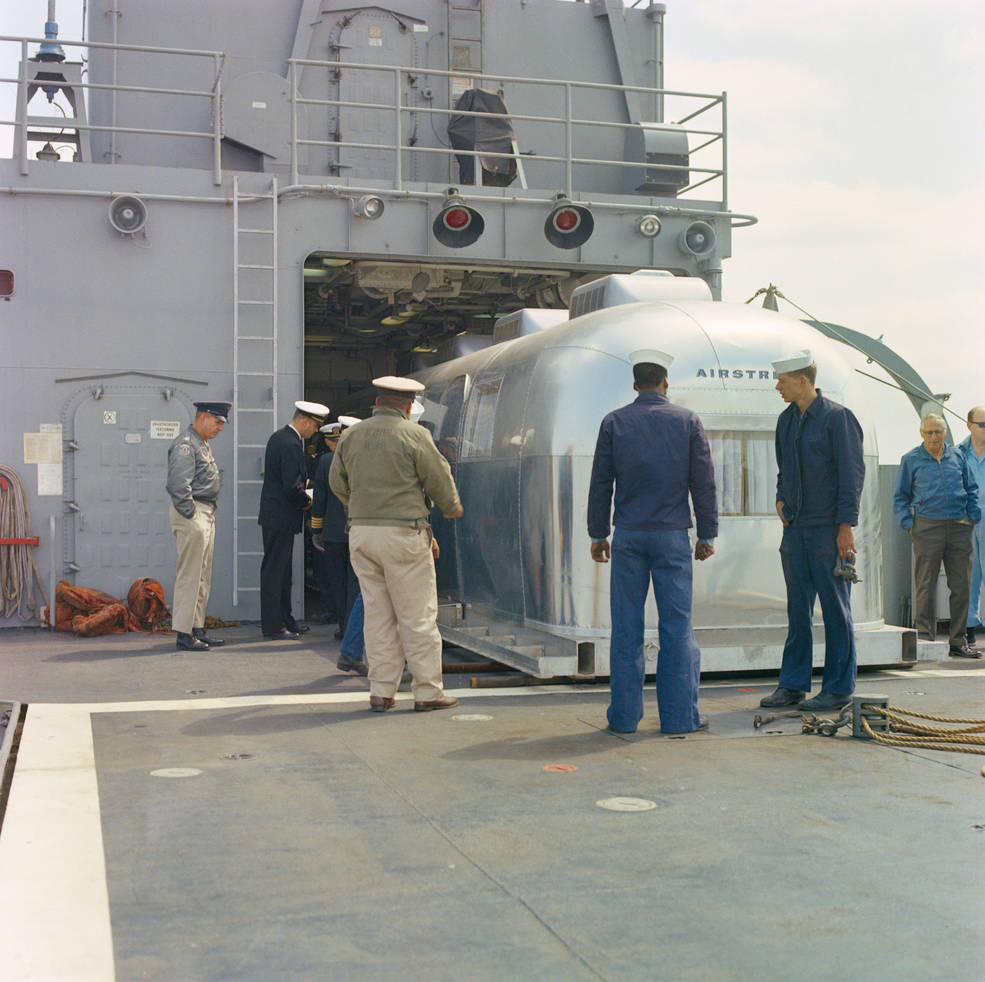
(567, 123)
(23, 123)
(560, 132)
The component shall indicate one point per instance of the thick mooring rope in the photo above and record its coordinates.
(967, 740)
(18, 570)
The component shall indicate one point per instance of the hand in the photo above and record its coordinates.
(316, 541)
(435, 551)
(779, 511)
(703, 551)
(600, 551)
(846, 542)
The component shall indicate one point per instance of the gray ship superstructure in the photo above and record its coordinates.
(278, 201)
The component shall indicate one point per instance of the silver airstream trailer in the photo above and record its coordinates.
(519, 420)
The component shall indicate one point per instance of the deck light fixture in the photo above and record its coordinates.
(369, 206)
(648, 226)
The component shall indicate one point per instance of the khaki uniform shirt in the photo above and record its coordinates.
(387, 471)
(193, 474)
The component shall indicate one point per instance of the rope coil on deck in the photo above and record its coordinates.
(967, 740)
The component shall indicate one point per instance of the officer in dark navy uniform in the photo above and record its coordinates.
(284, 498)
(657, 455)
(193, 485)
(818, 490)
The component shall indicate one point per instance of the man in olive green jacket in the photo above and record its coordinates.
(387, 472)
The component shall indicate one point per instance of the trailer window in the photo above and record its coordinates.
(477, 434)
(745, 472)
(450, 415)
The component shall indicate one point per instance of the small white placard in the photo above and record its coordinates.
(43, 448)
(259, 105)
(132, 438)
(164, 429)
(420, 28)
(50, 479)
(109, 417)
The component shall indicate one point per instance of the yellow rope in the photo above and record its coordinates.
(969, 740)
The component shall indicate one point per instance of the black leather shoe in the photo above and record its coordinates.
(781, 697)
(445, 702)
(963, 651)
(347, 664)
(284, 635)
(380, 704)
(186, 642)
(970, 635)
(339, 634)
(824, 700)
(199, 632)
(298, 628)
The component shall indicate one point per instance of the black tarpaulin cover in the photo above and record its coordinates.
(492, 132)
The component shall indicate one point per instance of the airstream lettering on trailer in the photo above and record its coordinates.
(519, 420)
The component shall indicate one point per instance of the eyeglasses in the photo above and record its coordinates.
(934, 432)
(974, 422)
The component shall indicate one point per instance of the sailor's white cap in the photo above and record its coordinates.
(315, 410)
(794, 361)
(405, 386)
(332, 430)
(650, 356)
(348, 421)
(416, 411)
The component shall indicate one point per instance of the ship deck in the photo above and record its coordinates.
(238, 814)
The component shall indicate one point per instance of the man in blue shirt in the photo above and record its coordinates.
(657, 454)
(818, 489)
(936, 501)
(973, 448)
(336, 578)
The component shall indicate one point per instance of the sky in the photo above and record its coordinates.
(856, 137)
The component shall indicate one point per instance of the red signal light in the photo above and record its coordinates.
(566, 220)
(6, 282)
(457, 218)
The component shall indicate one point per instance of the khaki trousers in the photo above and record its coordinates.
(195, 537)
(396, 575)
(936, 541)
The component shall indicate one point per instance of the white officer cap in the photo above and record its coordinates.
(650, 356)
(332, 430)
(348, 421)
(793, 362)
(315, 410)
(416, 411)
(403, 386)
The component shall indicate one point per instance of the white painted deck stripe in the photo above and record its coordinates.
(57, 925)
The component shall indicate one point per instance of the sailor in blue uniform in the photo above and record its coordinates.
(657, 455)
(818, 489)
(336, 578)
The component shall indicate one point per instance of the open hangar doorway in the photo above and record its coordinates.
(365, 317)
